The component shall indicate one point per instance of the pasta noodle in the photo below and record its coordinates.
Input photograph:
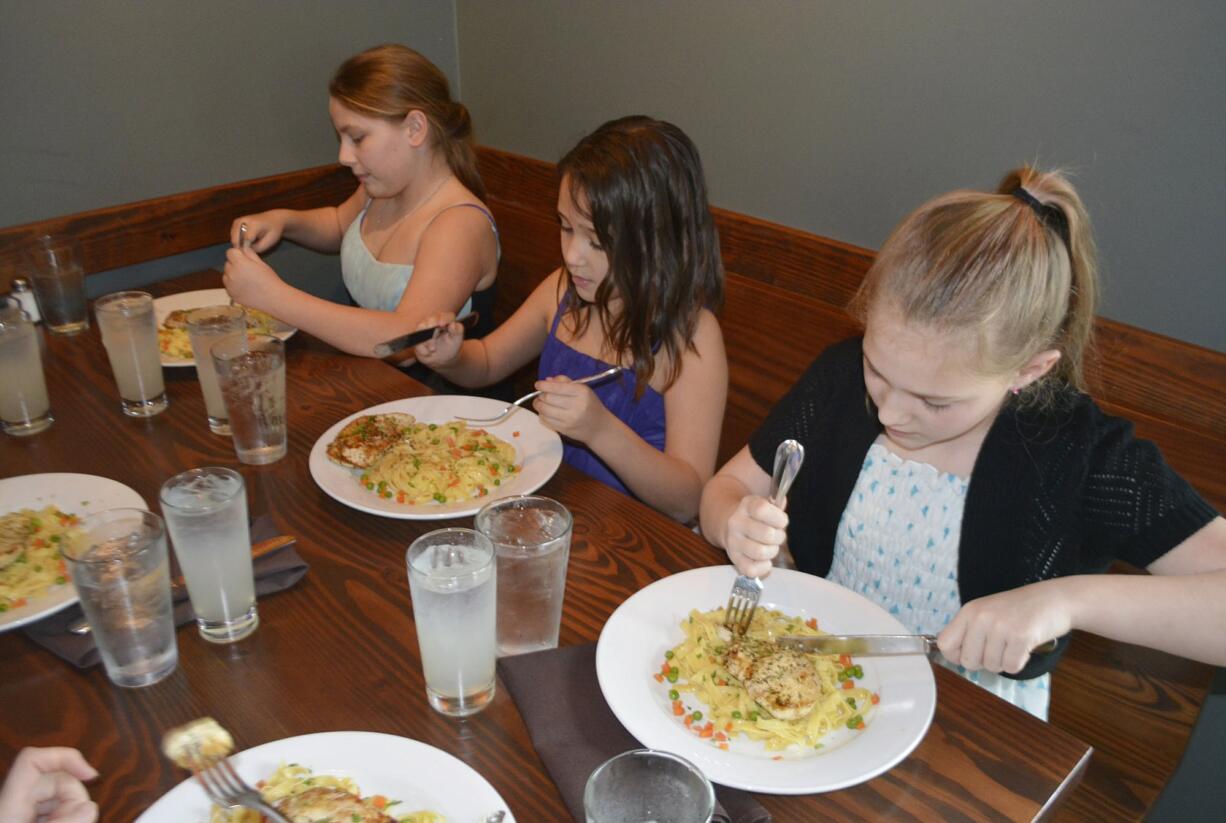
(30, 546)
(174, 341)
(293, 779)
(441, 462)
(697, 667)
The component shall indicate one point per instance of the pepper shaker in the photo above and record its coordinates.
(25, 296)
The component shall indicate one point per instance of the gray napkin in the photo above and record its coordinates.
(273, 573)
(574, 731)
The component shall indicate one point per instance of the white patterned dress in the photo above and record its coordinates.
(897, 544)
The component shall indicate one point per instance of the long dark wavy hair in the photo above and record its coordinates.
(643, 184)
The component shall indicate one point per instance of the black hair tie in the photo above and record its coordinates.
(1053, 217)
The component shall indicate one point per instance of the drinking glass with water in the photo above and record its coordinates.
(121, 571)
(645, 784)
(251, 374)
(452, 584)
(531, 536)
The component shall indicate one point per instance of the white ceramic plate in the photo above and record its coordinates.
(632, 646)
(78, 494)
(537, 449)
(420, 776)
(163, 306)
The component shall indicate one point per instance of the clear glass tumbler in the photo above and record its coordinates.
(206, 514)
(24, 405)
(531, 536)
(59, 284)
(130, 336)
(205, 326)
(121, 572)
(644, 784)
(251, 374)
(452, 584)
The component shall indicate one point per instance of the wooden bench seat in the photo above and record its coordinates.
(785, 295)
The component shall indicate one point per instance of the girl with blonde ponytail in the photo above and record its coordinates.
(956, 471)
(415, 238)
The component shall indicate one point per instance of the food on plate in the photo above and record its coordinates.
(307, 797)
(30, 560)
(197, 744)
(783, 682)
(413, 462)
(300, 794)
(367, 438)
(174, 341)
(723, 686)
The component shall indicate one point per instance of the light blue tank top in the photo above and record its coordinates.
(376, 285)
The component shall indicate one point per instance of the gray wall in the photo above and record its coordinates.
(111, 102)
(839, 117)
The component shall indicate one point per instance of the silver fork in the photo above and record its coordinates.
(227, 789)
(591, 378)
(747, 591)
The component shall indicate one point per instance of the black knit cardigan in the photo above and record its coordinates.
(1052, 493)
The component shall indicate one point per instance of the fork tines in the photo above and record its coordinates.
(742, 603)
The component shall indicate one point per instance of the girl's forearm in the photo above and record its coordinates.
(663, 481)
(1178, 614)
(317, 229)
(720, 497)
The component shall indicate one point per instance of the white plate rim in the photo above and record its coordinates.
(163, 306)
(365, 757)
(636, 635)
(65, 490)
(538, 448)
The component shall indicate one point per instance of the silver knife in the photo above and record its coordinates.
(875, 645)
(411, 339)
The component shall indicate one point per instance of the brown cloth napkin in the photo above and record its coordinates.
(273, 573)
(574, 731)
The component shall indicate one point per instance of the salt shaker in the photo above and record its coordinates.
(22, 293)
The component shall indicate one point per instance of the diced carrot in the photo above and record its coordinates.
(379, 801)
(17, 604)
(707, 730)
(720, 736)
(679, 710)
(876, 698)
(728, 726)
(811, 622)
(860, 725)
(400, 497)
(845, 661)
(659, 677)
(723, 746)
(664, 669)
(777, 757)
(515, 434)
(689, 720)
(849, 683)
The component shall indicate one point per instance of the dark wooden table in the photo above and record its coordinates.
(339, 650)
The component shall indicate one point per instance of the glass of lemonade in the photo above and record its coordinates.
(130, 335)
(531, 536)
(452, 584)
(24, 405)
(205, 326)
(121, 571)
(206, 514)
(250, 369)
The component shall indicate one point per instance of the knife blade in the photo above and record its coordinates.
(875, 645)
(408, 341)
(861, 644)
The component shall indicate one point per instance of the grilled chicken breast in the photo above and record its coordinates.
(783, 682)
(367, 438)
(328, 804)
